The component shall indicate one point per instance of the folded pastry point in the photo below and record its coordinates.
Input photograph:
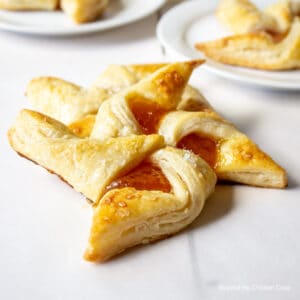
(257, 50)
(63, 100)
(283, 13)
(230, 153)
(29, 4)
(139, 108)
(86, 164)
(127, 216)
(118, 77)
(242, 16)
(82, 11)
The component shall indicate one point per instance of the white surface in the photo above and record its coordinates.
(194, 21)
(246, 238)
(57, 23)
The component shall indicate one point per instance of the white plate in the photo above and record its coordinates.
(56, 23)
(195, 21)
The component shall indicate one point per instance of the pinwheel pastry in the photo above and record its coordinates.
(148, 108)
(268, 40)
(141, 190)
(29, 4)
(81, 11)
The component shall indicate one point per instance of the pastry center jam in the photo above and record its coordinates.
(203, 146)
(276, 36)
(146, 176)
(147, 114)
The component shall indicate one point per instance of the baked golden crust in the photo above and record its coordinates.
(82, 11)
(237, 158)
(242, 16)
(257, 50)
(161, 91)
(86, 164)
(71, 104)
(127, 217)
(29, 4)
(123, 216)
(62, 100)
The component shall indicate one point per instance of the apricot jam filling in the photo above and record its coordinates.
(146, 176)
(204, 146)
(276, 36)
(147, 114)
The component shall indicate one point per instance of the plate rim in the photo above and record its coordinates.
(242, 78)
(91, 27)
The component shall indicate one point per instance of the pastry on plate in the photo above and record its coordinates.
(257, 50)
(139, 194)
(267, 40)
(29, 4)
(242, 16)
(82, 11)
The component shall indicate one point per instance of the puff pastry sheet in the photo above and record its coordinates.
(127, 217)
(86, 164)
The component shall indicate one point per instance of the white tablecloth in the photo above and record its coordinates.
(244, 245)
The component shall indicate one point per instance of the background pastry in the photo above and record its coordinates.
(29, 4)
(82, 11)
(266, 40)
(257, 50)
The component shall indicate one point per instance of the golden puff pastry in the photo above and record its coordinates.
(127, 216)
(118, 77)
(62, 100)
(29, 4)
(242, 16)
(74, 105)
(139, 194)
(191, 100)
(82, 11)
(257, 50)
(230, 153)
(86, 164)
(139, 108)
(283, 12)
(233, 156)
